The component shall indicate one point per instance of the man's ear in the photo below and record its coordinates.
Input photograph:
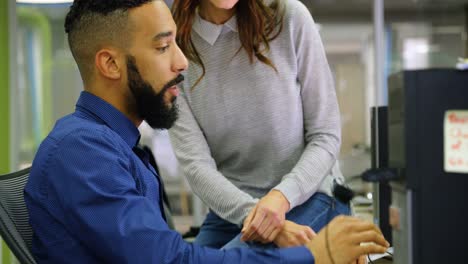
(109, 63)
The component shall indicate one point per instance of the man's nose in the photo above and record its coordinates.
(180, 61)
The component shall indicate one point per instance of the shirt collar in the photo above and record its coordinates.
(209, 31)
(115, 119)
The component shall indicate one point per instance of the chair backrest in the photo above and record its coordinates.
(14, 219)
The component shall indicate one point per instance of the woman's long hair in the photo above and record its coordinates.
(257, 23)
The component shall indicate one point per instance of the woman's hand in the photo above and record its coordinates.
(266, 220)
(293, 235)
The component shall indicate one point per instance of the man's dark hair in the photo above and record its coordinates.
(91, 24)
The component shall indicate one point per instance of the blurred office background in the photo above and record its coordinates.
(40, 82)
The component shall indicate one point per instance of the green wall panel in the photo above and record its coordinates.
(4, 106)
(4, 90)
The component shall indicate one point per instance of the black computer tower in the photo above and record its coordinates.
(433, 202)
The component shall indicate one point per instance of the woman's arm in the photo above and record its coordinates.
(194, 156)
(322, 128)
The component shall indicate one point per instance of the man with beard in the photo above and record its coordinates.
(92, 196)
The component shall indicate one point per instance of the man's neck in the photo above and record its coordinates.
(114, 97)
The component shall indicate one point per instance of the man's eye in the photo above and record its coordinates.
(163, 49)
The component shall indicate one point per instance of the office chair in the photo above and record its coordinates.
(14, 219)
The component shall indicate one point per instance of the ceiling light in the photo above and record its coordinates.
(44, 1)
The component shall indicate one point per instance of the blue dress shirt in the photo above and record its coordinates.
(91, 199)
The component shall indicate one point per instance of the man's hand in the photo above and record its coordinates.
(266, 219)
(340, 241)
(360, 260)
(293, 235)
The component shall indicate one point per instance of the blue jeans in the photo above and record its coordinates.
(316, 212)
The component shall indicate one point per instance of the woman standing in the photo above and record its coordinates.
(259, 130)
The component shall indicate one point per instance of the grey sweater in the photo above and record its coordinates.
(246, 129)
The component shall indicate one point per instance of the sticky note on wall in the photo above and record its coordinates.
(456, 141)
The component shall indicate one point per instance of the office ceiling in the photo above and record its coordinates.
(389, 4)
(336, 8)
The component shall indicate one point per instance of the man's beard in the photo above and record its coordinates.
(148, 104)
